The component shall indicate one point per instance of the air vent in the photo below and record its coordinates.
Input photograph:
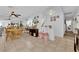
(68, 13)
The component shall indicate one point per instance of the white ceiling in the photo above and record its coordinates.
(25, 11)
(69, 11)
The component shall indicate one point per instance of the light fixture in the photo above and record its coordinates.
(50, 12)
(12, 12)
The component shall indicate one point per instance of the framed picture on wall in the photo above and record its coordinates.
(50, 26)
(75, 19)
(51, 19)
(54, 18)
(57, 16)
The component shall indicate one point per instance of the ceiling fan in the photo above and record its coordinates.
(13, 14)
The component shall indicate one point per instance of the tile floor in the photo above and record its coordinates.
(27, 43)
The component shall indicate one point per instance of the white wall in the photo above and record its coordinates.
(58, 25)
(74, 23)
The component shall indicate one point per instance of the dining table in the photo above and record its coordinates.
(13, 33)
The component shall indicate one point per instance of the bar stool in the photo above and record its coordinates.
(44, 37)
